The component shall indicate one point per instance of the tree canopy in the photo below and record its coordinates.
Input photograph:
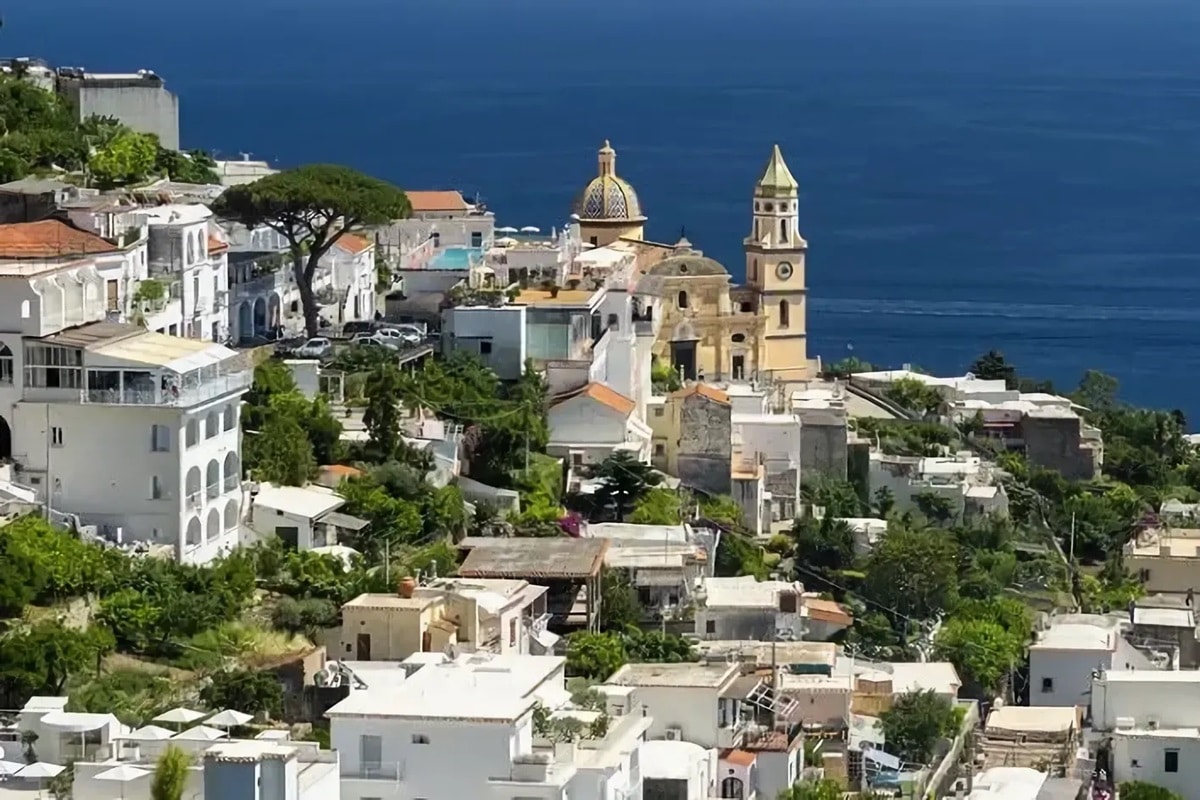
(915, 722)
(313, 207)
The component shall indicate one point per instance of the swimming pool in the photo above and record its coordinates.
(455, 257)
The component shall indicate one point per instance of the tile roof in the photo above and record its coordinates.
(353, 244)
(437, 201)
(704, 390)
(562, 558)
(50, 238)
(215, 245)
(606, 397)
(827, 611)
(739, 757)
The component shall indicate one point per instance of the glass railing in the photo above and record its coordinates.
(171, 395)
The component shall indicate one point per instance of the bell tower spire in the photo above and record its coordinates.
(775, 256)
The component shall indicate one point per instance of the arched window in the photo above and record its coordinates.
(783, 230)
(191, 249)
(613, 321)
(6, 364)
(738, 338)
(193, 432)
(731, 788)
(213, 479)
(24, 309)
(756, 230)
(683, 301)
(212, 425)
(784, 313)
(230, 417)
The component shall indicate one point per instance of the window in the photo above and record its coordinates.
(784, 313)
(710, 626)
(658, 411)
(49, 366)
(754, 270)
(24, 309)
(193, 433)
(512, 633)
(112, 295)
(747, 307)
(56, 436)
(731, 789)
(660, 450)
(229, 416)
(156, 488)
(683, 300)
(783, 230)
(437, 239)
(613, 321)
(738, 338)
(370, 752)
(1047, 685)
(787, 602)
(485, 348)
(6, 364)
(160, 439)
(1171, 761)
(739, 368)
(476, 239)
(420, 738)
(594, 241)
(212, 425)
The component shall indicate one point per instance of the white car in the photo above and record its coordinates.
(403, 337)
(317, 347)
(376, 340)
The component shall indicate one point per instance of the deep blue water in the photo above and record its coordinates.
(1021, 174)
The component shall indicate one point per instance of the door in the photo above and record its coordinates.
(363, 647)
(112, 295)
(290, 536)
(370, 753)
(739, 368)
(683, 359)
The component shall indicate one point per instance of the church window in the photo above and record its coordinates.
(739, 338)
(768, 207)
(756, 206)
(747, 307)
(683, 300)
(783, 229)
(755, 229)
(784, 313)
(683, 269)
(754, 270)
(613, 321)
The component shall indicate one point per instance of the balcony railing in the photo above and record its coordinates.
(231, 483)
(373, 772)
(213, 490)
(170, 396)
(193, 500)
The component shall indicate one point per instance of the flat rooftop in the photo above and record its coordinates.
(1150, 676)
(1044, 719)
(745, 592)
(564, 558)
(761, 653)
(565, 298)
(476, 687)
(1078, 635)
(302, 501)
(381, 601)
(708, 676)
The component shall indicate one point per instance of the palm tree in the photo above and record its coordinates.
(170, 774)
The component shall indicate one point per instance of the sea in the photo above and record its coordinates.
(1021, 175)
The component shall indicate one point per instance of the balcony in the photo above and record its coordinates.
(393, 772)
(213, 490)
(193, 500)
(172, 396)
(231, 483)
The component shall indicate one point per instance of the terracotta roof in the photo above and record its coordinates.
(437, 201)
(215, 245)
(50, 239)
(353, 244)
(343, 470)
(827, 611)
(739, 757)
(704, 390)
(606, 396)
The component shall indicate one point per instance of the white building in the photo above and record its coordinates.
(664, 562)
(190, 269)
(963, 480)
(1066, 656)
(746, 608)
(495, 334)
(351, 292)
(303, 517)
(590, 425)
(1151, 717)
(445, 729)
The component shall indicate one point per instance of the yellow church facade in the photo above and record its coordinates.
(713, 329)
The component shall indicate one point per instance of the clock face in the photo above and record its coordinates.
(784, 270)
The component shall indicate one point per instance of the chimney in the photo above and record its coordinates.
(407, 586)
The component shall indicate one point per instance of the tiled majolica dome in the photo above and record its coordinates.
(608, 197)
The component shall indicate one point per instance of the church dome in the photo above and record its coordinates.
(608, 197)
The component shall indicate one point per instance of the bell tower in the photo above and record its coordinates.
(775, 255)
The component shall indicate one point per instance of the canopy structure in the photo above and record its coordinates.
(10, 767)
(76, 722)
(531, 229)
(180, 716)
(507, 229)
(228, 719)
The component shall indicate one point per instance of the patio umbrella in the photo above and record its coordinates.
(531, 229)
(201, 733)
(122, 774)
(180, 716)
(149, 733)
(39, 771)
(507, 229)
(228, 719)
(10, 767)
(504, 241)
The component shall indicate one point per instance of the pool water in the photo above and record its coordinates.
(455, 257)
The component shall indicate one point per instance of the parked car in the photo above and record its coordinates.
(317, 347)
(400, 336)
(375, 340)
(356, 327)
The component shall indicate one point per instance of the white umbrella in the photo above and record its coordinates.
(506, 229)
(149, 733)
(201, 733)
(531, 229)
(122, 774)
(505, 242)
(228, 719)
(180, 716)
(39, 770)
(9, 767)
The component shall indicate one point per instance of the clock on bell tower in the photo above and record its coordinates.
(775, 254)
